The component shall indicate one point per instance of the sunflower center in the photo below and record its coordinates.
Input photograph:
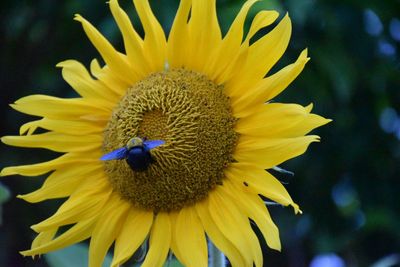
(193, 116)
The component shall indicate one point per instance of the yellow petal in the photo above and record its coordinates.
(86, 202)
(107, 229)
(255, 210)
(261, 182)
(63, 126)
(76, 75)
(279, 120)
(311, 122)
(155, 44)
(268, 88)
(95, 67)
(132, 41)
(63, 182)
(44, 167)
(174, 239)
(160, 240)
(132, 235)
(61, 108)
(275, 84)
(262, 56)
(44, 238)
(235, 226)
(116, 61)
(55, 141)
(109, 79)
(105, 76)
(271, 119)
(178, 36)
(190, 238)
(269, 153)
(261, 20)
(80, 231)
(217, 237)
(202, 42)
(228, 49)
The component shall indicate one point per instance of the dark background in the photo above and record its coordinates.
(348, 185)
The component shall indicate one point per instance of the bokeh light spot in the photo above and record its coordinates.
(389, 120)
(327, 260)
(394, 28)
(386, 49)
(373, 25)
(343, 194)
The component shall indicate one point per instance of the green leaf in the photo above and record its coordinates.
(75, 255)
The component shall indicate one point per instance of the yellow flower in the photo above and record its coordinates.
(208, 99)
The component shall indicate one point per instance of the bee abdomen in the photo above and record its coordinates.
(139, 158)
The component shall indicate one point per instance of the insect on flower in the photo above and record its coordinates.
(136, 153)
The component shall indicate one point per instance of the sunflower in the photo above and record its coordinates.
(206, 98)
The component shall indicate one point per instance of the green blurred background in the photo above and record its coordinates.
(347, 185)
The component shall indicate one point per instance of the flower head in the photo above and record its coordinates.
(170, 140)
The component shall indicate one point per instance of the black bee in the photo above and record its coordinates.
(136, 153)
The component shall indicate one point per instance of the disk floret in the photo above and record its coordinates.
(193, 116)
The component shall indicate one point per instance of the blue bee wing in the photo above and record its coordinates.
(150, 144)
(119, 153)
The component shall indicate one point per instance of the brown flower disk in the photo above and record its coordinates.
(193, 116)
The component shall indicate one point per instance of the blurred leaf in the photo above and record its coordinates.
(4, 194)
(271, 5)
(173, 263)
(338, 64)
(299, 10)
(75, 255)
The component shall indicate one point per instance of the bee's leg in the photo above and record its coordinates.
(282, 174)
(281, 170)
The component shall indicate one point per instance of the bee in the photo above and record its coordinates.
(136, 153)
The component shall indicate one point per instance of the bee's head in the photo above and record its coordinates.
(134, 142)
